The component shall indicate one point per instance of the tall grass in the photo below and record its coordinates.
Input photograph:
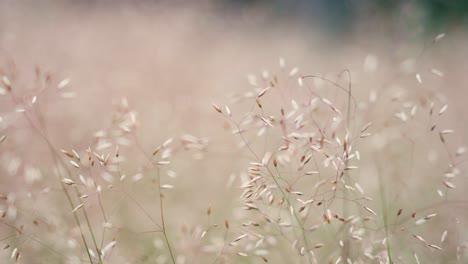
(317, 169)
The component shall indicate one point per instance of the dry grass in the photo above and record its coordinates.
(112, 151)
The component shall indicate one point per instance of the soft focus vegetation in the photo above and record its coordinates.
(217, 133)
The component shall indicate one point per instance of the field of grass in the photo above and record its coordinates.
(154, 134)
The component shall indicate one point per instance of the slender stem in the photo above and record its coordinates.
(92, 236)
(161, 196)
(346, 173)
(223, 248)
(385, 216)
(64, 189)
(299, 222)
(52, 150)
(304, 237)
(164, 231)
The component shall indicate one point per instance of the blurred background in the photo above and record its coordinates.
(205, 48)
(173, 59)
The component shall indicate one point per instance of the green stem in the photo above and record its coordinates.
(161, 196)
(385, 217)
(345, 251)
(299, 222)
(64, 189)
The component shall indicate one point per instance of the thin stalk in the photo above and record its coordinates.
(92, 236)
(346, 173)
(67, 194)
(223, 248)
(385, 216)
(52, 150)
(304, 237)
(301, 225)
(161, 196)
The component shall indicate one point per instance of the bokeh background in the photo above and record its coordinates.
(203, 50)
(173, 59)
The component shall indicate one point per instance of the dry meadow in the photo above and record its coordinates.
(148, 133)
